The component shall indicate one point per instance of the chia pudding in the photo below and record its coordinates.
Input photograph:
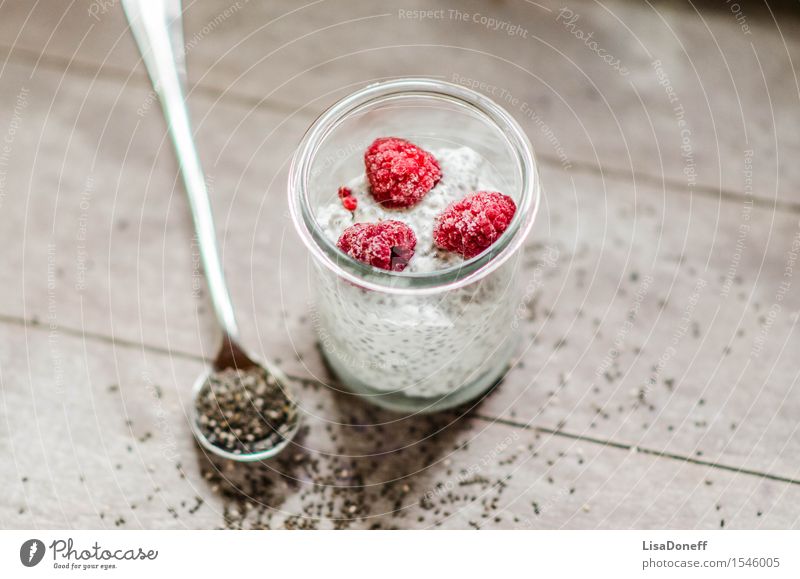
(416, 241)
(423, 348)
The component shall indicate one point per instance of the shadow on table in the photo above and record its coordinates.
(352, 465)
(740, 9)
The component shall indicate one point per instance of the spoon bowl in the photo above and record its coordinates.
(197, 430)
(232, 355)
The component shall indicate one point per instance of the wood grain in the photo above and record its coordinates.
(733, 91)
(656, 385)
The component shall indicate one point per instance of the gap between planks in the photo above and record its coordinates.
(89, 70)
(638, 449)
(124, 343)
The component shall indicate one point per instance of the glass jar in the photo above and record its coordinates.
(414, 341)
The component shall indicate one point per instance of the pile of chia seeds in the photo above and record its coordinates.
(367, 469)
(244, 411)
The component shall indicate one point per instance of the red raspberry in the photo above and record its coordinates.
(350, 203)
(399, 172)
(474, 223)
(386, 245)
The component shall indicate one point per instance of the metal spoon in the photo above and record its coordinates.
(158, 30)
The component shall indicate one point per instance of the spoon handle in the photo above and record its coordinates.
(151, 22)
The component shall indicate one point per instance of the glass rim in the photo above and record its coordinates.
(417, 283)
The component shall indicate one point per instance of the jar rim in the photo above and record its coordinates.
(418, 283)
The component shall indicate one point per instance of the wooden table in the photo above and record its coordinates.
(658, 381)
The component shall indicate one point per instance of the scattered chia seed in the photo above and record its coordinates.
(244, 411)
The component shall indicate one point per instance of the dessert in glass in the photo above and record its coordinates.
(414, 197)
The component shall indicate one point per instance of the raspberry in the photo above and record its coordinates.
(474, 223)
(399, 172)
(386, 245)
(348, 201)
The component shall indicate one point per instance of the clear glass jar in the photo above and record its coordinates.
(414, 342)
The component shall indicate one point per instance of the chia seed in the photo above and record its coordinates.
(244, 411)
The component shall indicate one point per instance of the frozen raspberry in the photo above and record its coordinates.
(474, 223)
(386, 245)
(399, 172)
(350, 203)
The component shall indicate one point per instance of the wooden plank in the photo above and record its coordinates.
(610, 236)
(718, 91)
(97, 437)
